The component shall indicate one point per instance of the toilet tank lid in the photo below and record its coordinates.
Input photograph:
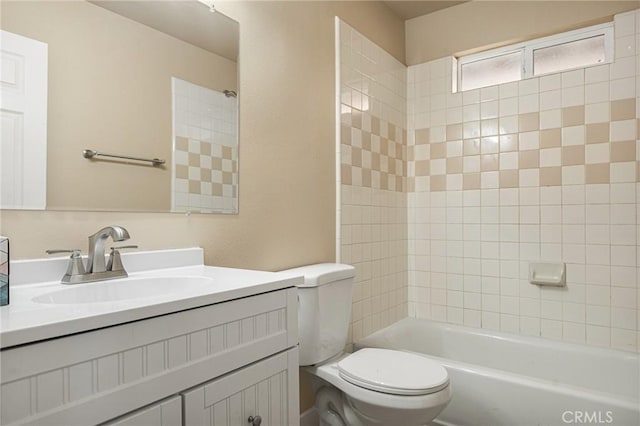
(322, 273)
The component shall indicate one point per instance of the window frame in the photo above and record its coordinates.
(528, 47)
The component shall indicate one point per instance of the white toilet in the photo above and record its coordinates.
(370, 386)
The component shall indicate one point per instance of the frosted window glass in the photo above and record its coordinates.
(575, 54)
(490, 71)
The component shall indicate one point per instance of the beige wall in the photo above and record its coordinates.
(486, 23)
(109, 84)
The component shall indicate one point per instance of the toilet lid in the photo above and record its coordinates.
(393, 372)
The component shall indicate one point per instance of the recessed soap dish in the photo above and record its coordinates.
(547, 273)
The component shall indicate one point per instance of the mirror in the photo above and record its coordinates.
(141, 79)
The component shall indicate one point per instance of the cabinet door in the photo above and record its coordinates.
(165, 413)
(268, 388)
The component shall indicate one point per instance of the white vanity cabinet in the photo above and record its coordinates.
(227, 360)
(165, 413)
(262, 390)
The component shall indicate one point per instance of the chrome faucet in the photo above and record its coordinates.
(95, 262)
(96, 270)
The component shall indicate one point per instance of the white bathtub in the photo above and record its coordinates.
(505, 379)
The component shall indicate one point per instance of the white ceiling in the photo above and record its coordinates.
(411, 9)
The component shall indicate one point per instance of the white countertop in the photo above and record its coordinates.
(25, 320)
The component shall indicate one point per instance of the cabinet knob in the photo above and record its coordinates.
(255, 421)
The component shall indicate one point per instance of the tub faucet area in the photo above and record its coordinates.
(96, 269)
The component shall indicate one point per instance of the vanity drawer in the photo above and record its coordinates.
(91, 377)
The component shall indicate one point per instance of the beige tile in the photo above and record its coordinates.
(550, 176)
(227, 178)
(597, 173)
(454, 165)
(216, 163)
(454, 132)
(366, 141)
(573, 116)
(528, 122)
(366, 178)
(216, 189)
(205, 148)
(508, 143)
(410, 153)
(182, 172)
(508, 178)
(439, 183)
(356, 156)
(345, 174)
(489, 162)
(623, 151)
(404, 137)
(384, 146)
(597, 133)
(392, 167)
(438, 150)
(624, 109)
(345, 134)
(472, 146)
(194, 160)
(356, 119)
(400, 184)
(573, 155)
(194, 186)
(227, 153)
(423, 168)
(637, 171)
(391, 131)
(471, 181)
(529, 159)
(205, 175)
(182, 144)
(550, 138)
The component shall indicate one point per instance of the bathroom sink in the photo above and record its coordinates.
(125, 289)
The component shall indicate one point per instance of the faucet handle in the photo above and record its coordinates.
(124, 247)
(115, 262)
(75, 267)
(75, 252)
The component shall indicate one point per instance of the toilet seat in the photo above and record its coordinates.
(393, 372)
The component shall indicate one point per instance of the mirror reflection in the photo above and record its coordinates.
(141, 79)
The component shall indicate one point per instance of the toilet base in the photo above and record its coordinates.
(340, 403)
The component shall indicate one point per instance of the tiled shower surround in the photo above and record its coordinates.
(373, 153)
(542, 169)
(205, 155)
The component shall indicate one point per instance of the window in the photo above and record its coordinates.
(574, 49)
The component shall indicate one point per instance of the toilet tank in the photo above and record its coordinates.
(324, 310)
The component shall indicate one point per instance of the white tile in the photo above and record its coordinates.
(550, 119)
(597, 92)
(597, 113)
(596, 153)
(623, 130)
(597, 74)
(553, 99)
(529, 140)
(622, 88)
(573, 96)
(573, 135)
(622, 172)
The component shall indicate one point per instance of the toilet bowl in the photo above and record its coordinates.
(379, 387)
(370, 386)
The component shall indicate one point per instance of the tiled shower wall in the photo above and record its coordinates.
(372, 154)
(545, 168)
(205, 154)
